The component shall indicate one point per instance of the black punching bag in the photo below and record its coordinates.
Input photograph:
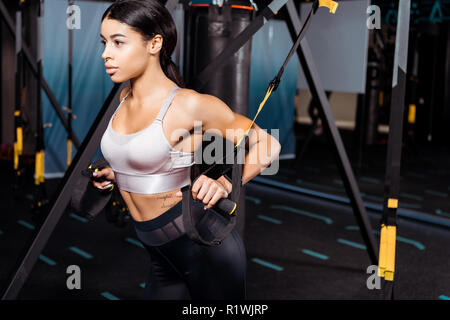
(209, 29)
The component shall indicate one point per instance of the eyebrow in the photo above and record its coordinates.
(114, 35)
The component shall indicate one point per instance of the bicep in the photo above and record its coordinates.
(218, 118)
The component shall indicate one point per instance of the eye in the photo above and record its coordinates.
(118, 42)
(102, 42)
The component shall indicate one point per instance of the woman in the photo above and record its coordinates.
(150, 160)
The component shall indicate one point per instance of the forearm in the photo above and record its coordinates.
(260, 155)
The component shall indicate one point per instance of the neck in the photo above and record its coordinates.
(151, 83)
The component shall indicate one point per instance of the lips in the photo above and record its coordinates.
(111, 70)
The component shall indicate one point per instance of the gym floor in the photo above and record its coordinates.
(298, 247)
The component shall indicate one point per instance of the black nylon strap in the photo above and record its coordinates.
(237, 43)
(189, 220)
(219, 169)
(276, 81)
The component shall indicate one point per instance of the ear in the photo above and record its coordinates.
(154, 45)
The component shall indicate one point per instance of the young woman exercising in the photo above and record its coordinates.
(150, 160)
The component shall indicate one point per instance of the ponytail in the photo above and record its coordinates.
(172, 71)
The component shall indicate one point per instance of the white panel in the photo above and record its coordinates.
(339, 45)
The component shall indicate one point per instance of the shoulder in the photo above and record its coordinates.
(187, 97)
(195, 102)
(124, 92)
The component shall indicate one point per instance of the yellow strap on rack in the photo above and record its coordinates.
(19, 134)
(381, 98)
(36, 168)
(42, 166)
(69, 152)
(39, 168)
(392, 203)
(386, 262)
(18, 147)
(412, 113)
(16, 157)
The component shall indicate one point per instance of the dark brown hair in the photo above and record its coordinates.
(149, 18)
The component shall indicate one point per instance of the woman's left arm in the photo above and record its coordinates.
(218, 118)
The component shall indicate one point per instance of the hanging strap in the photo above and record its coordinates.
(227, 207)
(273, 85)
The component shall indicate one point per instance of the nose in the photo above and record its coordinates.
(106, 54)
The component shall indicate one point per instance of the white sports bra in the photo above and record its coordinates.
(144, 161)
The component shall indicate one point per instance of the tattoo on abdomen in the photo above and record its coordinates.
(165, 197)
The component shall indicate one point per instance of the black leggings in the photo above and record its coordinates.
(182, 269)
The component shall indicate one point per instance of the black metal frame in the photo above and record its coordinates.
(33, 67)
(90, 145)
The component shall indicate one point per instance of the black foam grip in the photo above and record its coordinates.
(225, 206)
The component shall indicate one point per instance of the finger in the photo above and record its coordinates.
(99, 186)
(221, 193)
(97, 173)
(103, 172)
(209, 195)
(106, 186)
(96, 184)
(196, 186)
(106, 183)
(194, 195)
(203, 189)
(217, 196)
(103, 184)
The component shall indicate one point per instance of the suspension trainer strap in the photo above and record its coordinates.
(222, 167)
